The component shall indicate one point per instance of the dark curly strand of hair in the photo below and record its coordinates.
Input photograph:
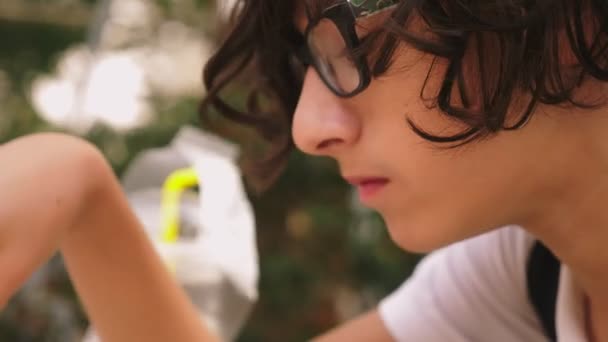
(515, 48)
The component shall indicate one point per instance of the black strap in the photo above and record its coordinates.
(543, 280)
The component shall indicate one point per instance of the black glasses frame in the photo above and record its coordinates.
(344, 16)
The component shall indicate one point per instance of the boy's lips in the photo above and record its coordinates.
(368, 187)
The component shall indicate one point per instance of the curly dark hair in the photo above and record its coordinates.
(515, 49)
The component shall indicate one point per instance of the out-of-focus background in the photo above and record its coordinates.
(126, 75)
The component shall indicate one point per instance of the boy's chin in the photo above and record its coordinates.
(417, 239)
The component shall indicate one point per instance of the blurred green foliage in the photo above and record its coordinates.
(313, 251)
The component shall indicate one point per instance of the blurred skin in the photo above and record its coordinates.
(551, 177)
(58, 197)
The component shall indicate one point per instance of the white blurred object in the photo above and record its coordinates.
(115, 93)
(131, 56)
(216, 259)
(175, 62)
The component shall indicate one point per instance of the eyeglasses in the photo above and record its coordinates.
(330, 41)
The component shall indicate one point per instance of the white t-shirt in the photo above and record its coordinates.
(475, 290)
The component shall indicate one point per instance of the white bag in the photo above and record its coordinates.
(215, 260)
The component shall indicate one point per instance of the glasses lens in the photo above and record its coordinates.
(332, 58)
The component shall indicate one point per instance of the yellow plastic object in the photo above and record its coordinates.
(174, 186)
